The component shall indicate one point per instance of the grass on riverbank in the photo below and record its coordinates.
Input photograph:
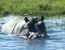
(46, 7)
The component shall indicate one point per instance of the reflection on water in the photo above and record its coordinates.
(56, 41)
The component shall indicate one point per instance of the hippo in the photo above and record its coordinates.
(29, 28)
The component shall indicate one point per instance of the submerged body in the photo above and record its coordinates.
(26, 28)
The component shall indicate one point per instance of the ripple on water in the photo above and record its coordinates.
(56, 41)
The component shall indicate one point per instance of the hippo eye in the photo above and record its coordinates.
(40, 25)
(39, 22)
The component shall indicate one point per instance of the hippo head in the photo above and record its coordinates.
(34, 28)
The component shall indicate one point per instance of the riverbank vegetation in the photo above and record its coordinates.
(32, 7)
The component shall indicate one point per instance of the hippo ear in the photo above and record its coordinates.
(26, 19)
(42, 18)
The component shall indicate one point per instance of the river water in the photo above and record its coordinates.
(55, 29)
